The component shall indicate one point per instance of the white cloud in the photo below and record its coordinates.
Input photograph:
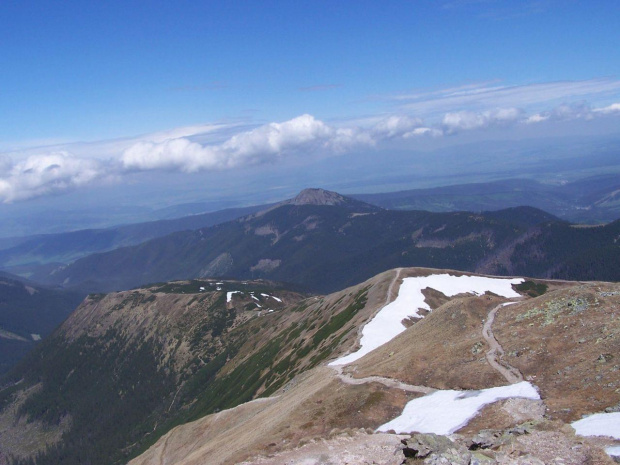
(485, 95)
(396, 126)
(423, 131)
(574, 111)
(268, 143)
(186, 131)
(35, 172)
(467, 120)
(613, 108)
(47, 174)
(536, 118)
(171, 154)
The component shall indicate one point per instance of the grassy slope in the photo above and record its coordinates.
(158, 360)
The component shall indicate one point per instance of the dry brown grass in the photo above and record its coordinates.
(444, 350)
(568, 343)
(571, 355)
(313, 408)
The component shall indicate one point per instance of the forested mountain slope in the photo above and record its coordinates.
(28, 313)
(324, 247)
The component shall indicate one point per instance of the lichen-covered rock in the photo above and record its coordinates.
(433, 449)
(479, 458)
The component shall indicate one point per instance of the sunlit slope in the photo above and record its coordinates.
(444, 350)
(179, 362)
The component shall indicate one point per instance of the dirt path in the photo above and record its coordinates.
(389, 297)
(389, 382)
(496, 351)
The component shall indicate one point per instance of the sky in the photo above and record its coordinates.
(101, 97)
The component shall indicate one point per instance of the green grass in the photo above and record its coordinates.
(340, 319)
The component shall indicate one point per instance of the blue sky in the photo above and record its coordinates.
(95, 91)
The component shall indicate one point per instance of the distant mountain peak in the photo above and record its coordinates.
(314, 196)
(320, 197)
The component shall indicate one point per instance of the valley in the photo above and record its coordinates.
(29, 312)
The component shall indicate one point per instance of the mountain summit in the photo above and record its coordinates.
(317, 196)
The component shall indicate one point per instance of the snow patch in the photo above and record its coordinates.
(599, 424)
(272, 296)
(386, 324)
(613, 451)
(444, 412)
(230, 294)
(35, 337)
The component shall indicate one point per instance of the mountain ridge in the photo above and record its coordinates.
(194, 353)
(308, 244)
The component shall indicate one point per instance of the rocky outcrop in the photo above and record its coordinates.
(533, 443)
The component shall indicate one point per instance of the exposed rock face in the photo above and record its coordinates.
(532, 443)
(266, 265)
(219, 266)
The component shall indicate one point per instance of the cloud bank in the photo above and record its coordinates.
(48, 174)
(485, 95)
(265, 144)
(219, 147)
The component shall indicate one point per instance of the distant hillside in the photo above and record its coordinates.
(22, 254)
(326, 247)
(589, 200)
(28, 313)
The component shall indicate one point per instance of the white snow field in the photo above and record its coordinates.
(387, 323)
(599, 424)
(272, 296)
(613, 451)
(444, 412)
(230, 294)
